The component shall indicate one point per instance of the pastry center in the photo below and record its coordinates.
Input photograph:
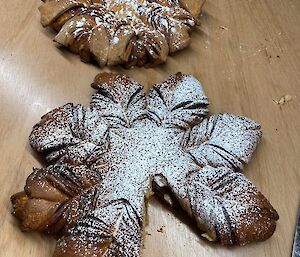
(144, 149)
(137, 154)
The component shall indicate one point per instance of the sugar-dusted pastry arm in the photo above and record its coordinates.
(112, 229)
(120, 100)
(68, 134)
(58, 128)
(226, 206)
(177, 102)
(223, 140)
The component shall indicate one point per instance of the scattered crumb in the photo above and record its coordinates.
(161, 229)
(283, 100)
(268, 55)
(223, 27)
(207, 43)
(148, 234)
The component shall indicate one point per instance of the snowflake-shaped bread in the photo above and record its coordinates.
(127, 32)
(108, 159)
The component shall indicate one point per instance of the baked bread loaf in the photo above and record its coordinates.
(106, 160)
(127, 32)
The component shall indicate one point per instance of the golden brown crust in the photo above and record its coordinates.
(105, 160)
(50, 196)
(131, 33)
(194, 7)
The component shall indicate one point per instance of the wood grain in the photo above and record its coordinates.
(246, 53)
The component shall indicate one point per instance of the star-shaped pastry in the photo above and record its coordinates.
(105, 161)
(127, 32)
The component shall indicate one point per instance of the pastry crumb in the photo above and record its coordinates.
(161, 229)
(283, 100)
(223, 27)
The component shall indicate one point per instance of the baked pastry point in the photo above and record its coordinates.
(127, 32)
(106, 160)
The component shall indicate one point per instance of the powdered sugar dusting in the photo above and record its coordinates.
(225, 140)
(128, 145)
(150, 26)
(136, 155)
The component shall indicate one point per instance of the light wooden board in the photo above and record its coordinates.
(246, 53)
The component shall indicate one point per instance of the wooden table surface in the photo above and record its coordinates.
(246, 53)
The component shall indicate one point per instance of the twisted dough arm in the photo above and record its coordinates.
(55, 197)
(223, 140)
(113, 229)
(173, 22)
(226, 206)
(178, 102)
(120, 100)
(70, 134)
(51, 10)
